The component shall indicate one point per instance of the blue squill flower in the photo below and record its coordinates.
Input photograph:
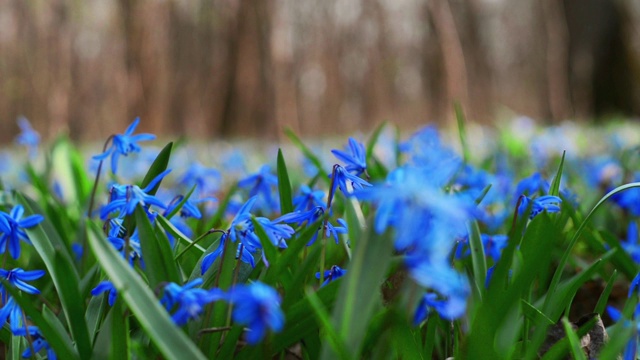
(532, 185)
(355, 160)
(28, 137)
(38, 343)
(208, 259)
(207, 180)
(124, 144)
(17, 278)
(11, 311)
(12, 225)
(105, 286)
(258, 307)
(631, 245)
(632, 346)
(277, 232)
(331, 230)
(188, 300)
(261, 183)
(449, 309)
(548, 203)
(308, 199)
(346, 181)
(332, 274)
(125, 198)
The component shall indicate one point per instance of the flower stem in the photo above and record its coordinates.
(95, 184)
(326, 220)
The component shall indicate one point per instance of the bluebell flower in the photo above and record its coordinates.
(629, 200)
(38, 343)
(188, 300)
(258, 307)
(532, 185)
(332, 274)
(262, 183)
(105, 286)
(28, 137)
(125, 198)
(11, 311)
(493, 246)
(208, 259)
(346, 181)
(331, 230)
(134, 249)
(277, 232)
(355, 160)
(308, 199)
(11, 226)
(449, 309)
(548, 203)
(207, 180)
(632, 346)
(635, 284)
(124, 144)
(631, 245)
(77, 250)
(17, 278)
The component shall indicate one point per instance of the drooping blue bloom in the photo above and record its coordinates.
(38, 343)
(258, 307)
(17, 278)
(105, 286)
(493, 246)
(188, 300)
(355, 159)
(308, 199)
(449, 309)
(332, 274)
(628, 200)
(125, 198)
(346, 181)
(631, 245)
(548, 203)
(28, 137)
(124, 144)
(11, 226)
(331, 230)
(277, 232)
(208, 259)
(632, 346)
(207, 180)
(11, 311)
(262, 183)
(532, 185)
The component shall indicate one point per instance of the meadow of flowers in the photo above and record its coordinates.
(471, 244)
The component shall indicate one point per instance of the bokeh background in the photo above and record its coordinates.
(213, 68)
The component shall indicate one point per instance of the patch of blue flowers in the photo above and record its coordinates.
(246, 256)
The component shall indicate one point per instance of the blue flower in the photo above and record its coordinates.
(124, 198)
(547, 203)
(11, 226)
(532, 185)
(28, 137)
(630, 245)
(11, 311)
(104, 287)
(188, 300)
(261, 183)
(308, 199)
(331, 230)
(207, 180)
(332, 274)
(355, 161)
(208, 259)
(17, 278)
(38, 343)
(258, 306)
(346, 181)
(449, 309)
(124, 144)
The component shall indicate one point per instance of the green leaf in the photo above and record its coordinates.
(157, 167)
(63, 273)
(373, 140)
(158, 257)
(181, 203)
(58, 341)
(307, 153)
(460, 118)
(554, 189)
(171, 229)
(353, 310)
(153, 318)
(284, 186)
(574, 342)
(334, 339)
(478, 259)
(563, 261)
(534, 314)
(604, 297)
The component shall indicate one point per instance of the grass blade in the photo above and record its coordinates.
(158, 257)
(153, 318)
(284, 186)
